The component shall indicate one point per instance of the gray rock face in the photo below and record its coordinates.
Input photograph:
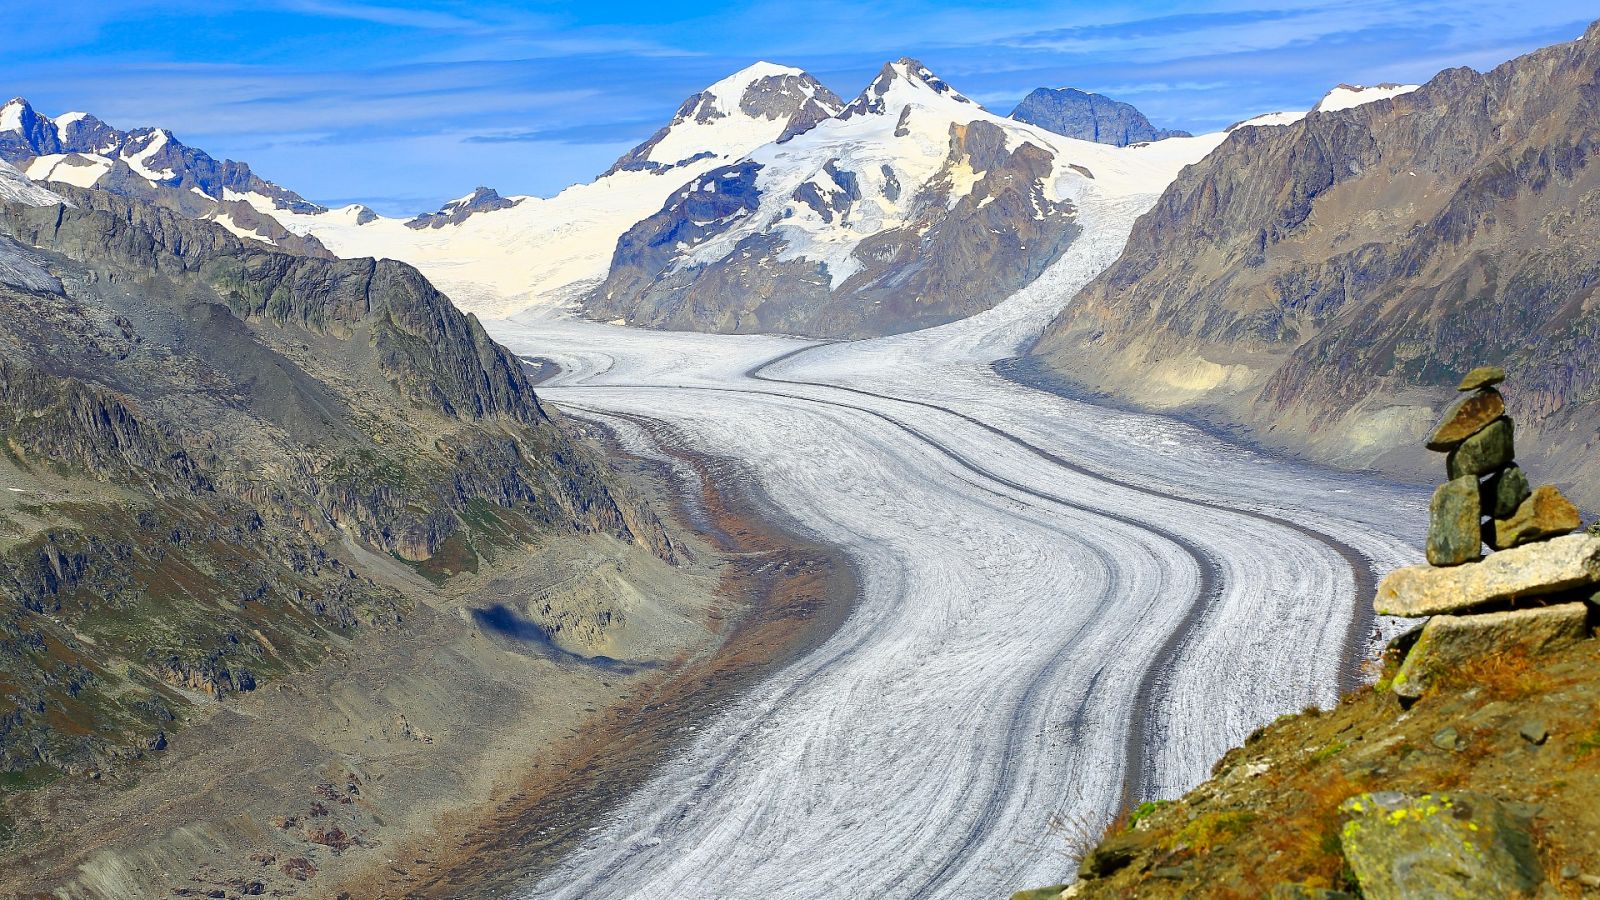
(1359, 259)
(1489, 450)
(1089, 117)
(1454, 536)
(483, 199)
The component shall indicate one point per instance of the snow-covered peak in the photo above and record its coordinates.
(1347, 96)
(729, 92)
(758, 104)
(483, 199)
(14, 113)
(901, 82)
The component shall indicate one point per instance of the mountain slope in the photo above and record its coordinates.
(911, 207)
(504, 258)
(216, 455)
(1320, 281)
(1089, 117)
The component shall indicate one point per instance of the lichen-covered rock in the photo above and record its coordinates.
(1487, 451)
(1454, 534)
(1502, 493)
(1533, 570)
(1437, 845)
(1465, 418)
(1449, 642)
(1482, 377)
(1545, 513)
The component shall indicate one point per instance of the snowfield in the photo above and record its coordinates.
(1062, 607)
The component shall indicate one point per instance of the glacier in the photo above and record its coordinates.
(1062, 607)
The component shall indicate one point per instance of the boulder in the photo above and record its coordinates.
(1437, 845)
(1502, 493)
(1550, 567)
(1482, 377)
(1490, 450)
(1449, 642)
(1544, 514)
(1465, 418)
(1454, 533)
(1045, 893)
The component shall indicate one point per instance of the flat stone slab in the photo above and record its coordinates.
(1465, 418)
(1437, 845)
(1450, 642)
(1528, 571)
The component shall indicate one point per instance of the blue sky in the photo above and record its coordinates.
(404, 105)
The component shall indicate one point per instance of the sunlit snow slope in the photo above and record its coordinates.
(549, 249)
(1062, 608)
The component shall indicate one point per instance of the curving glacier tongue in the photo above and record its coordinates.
(1061, 607)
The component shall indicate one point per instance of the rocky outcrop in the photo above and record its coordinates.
(1089, 117)
(1450, 643)
(1319, 281)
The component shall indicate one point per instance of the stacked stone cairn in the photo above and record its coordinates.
(1535, 594)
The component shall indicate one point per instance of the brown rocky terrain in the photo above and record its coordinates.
(1317, 282)
(277, 532)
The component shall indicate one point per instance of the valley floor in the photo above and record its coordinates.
(1062, 608)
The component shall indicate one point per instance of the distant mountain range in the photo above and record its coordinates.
(984, 205)
(150, 164)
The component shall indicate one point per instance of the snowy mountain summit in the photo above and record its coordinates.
(913, 206)
(733, 111)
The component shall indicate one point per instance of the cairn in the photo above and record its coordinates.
(1485, 482)
(1538, 590)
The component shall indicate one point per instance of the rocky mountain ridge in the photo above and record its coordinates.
(1318, 280)
(219, 455)
(500, 255)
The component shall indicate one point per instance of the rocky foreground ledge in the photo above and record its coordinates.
(1471, 769)
(1485, 787)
